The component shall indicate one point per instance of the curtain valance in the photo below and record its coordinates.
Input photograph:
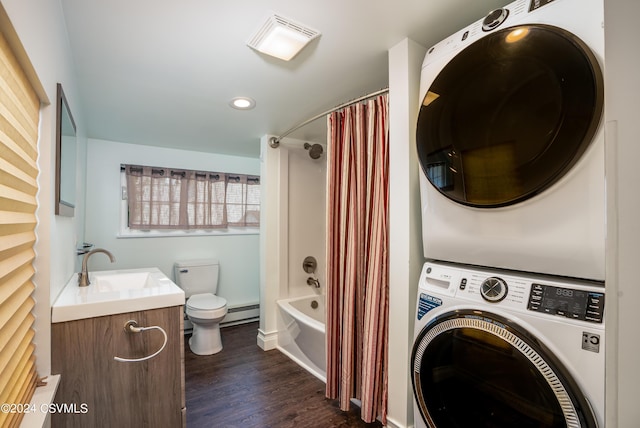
(171, 198)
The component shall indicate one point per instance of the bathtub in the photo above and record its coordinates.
(301, 333)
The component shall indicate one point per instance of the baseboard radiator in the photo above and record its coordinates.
(235, 315)
(241, 314)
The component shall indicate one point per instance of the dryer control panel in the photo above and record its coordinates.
(567, 302)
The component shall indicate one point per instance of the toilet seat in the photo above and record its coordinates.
(206, 302)
(206, 305)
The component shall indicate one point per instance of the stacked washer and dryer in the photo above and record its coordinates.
(509, 328)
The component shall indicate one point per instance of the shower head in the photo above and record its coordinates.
(315, 150)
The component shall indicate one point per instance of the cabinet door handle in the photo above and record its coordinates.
(131, 327)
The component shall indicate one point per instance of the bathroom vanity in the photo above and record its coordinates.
(96, 389)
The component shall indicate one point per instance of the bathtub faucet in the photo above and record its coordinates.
(313, 281)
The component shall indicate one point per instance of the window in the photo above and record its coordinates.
(177, 199)
(242, 200)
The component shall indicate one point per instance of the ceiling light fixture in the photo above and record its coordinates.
(281, 37)
(242, 103)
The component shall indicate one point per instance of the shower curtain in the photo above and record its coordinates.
(357, 257)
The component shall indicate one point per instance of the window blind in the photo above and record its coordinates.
(19, 115)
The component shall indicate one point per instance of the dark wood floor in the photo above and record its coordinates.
(243, 386)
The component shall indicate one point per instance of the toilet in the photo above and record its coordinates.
(205, 310)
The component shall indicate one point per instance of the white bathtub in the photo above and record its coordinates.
(301, 333)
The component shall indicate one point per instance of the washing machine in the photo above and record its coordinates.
(496, 348)
(511, 143)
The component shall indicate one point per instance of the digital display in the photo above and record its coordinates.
(567, 302)
(558, 300)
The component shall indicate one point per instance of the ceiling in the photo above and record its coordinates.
(162, 73)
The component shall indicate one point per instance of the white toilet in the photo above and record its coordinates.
(199, 280)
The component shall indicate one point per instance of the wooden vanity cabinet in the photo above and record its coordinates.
(99, 391)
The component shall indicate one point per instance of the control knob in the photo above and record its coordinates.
(494, 19)
(494, 289)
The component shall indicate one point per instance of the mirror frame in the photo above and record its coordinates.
(63, 208)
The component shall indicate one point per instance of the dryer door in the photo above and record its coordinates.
(509, 115)
(474, 369)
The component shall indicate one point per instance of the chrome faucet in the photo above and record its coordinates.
(313, 281)
(83, 276)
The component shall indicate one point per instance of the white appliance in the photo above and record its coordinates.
(495, 348)
(511, 144)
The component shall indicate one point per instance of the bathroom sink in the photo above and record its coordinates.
(118, 281)
(116, 291)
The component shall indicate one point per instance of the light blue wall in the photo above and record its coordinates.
(41, 42)
(238, 254)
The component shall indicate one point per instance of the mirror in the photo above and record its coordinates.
(65, 157)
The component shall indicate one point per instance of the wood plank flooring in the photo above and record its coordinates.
(243, 386)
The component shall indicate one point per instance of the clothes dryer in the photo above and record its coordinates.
(502, 349)
(511, 144)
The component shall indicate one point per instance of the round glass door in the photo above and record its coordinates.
(473, 369)
(509, 115)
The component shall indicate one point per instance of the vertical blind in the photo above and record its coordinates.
(19, 110)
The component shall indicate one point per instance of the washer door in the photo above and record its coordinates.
(476, 369)
(509, 115)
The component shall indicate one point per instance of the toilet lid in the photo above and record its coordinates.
(206, 302)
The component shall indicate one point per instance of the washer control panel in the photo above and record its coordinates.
(547, 295)
(567, 302)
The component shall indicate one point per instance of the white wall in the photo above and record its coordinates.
(40, 26)
(405, 238)
(238, 254)
(307, 194)
(622, 114)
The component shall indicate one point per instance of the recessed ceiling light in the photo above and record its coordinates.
(281, 37)
(242, 103)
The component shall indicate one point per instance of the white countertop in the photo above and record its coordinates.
(114, 292)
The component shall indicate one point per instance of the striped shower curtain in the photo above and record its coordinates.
(357, 257)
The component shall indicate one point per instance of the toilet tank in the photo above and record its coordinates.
(197, 276)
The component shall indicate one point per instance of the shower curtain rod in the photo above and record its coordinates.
(275, 141)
